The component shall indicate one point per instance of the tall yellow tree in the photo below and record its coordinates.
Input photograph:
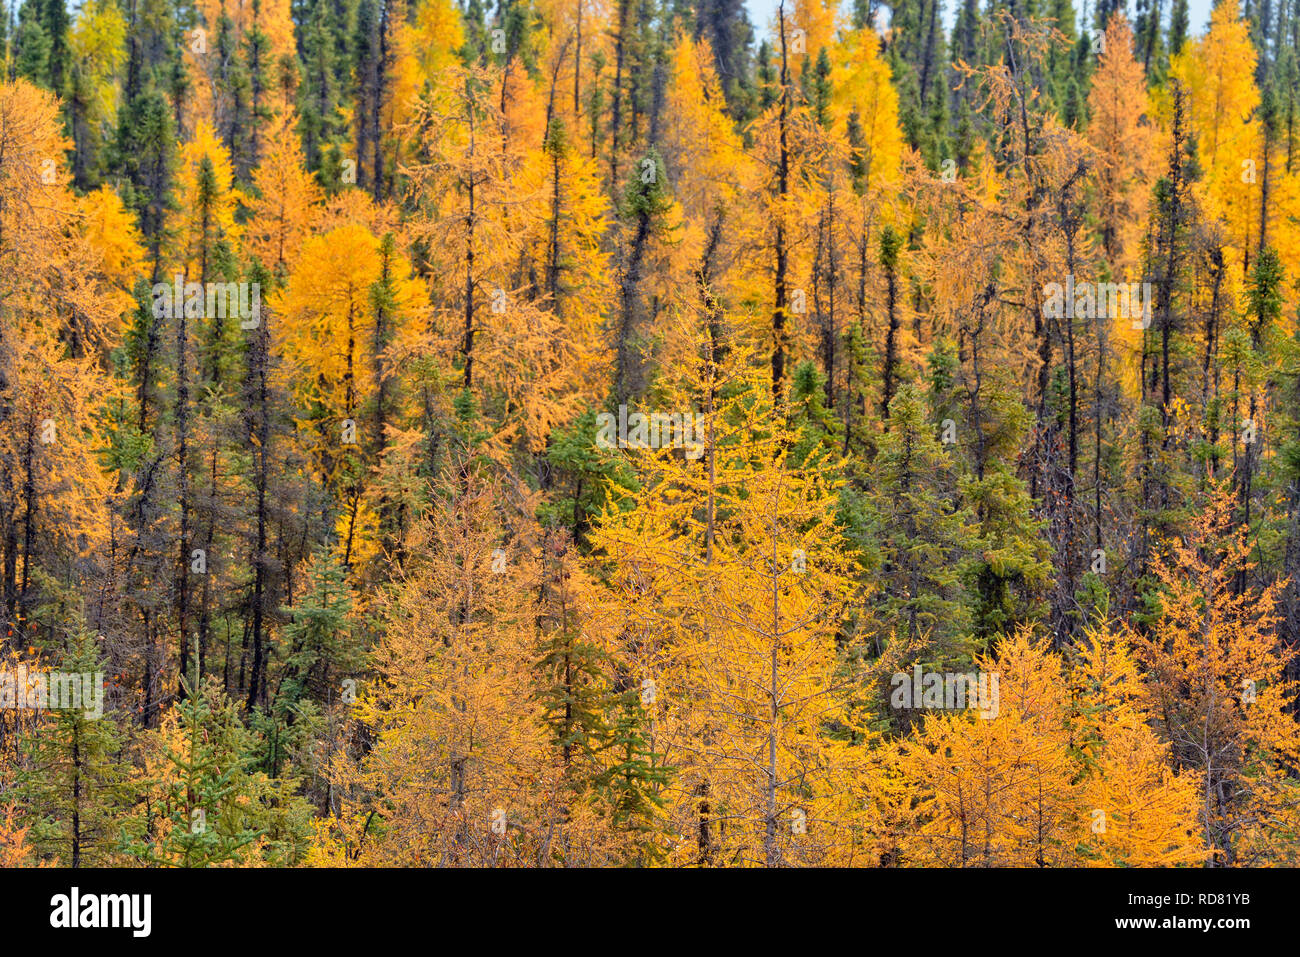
(59, 318)
(733, 580)
(344, 299)
(458, 774)
(1221, 695)
(1218, 74)
(995, 785)
(286, 198)
(1120, 132)
(1138, 811)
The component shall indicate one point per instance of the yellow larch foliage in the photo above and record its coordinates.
(458, 773)
(709, 166)
(996, 784)
(1138, 810)
(14, 849)
(207, 207)
(815, 21)
(712, 179)
(1221, 695)
(111, 231)
(861, 85)
(1120, 132)
(731, 577)
(59, 318)
(34, 200)
(327, 323)
(286, 198)
(1218, 74)
(424, 49)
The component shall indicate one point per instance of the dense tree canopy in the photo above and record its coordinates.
(559, 432)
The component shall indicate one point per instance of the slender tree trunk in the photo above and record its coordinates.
(889, 373)
(616, 107)
(183, 471)
(779, 310)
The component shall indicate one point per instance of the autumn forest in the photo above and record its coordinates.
(605, 433)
